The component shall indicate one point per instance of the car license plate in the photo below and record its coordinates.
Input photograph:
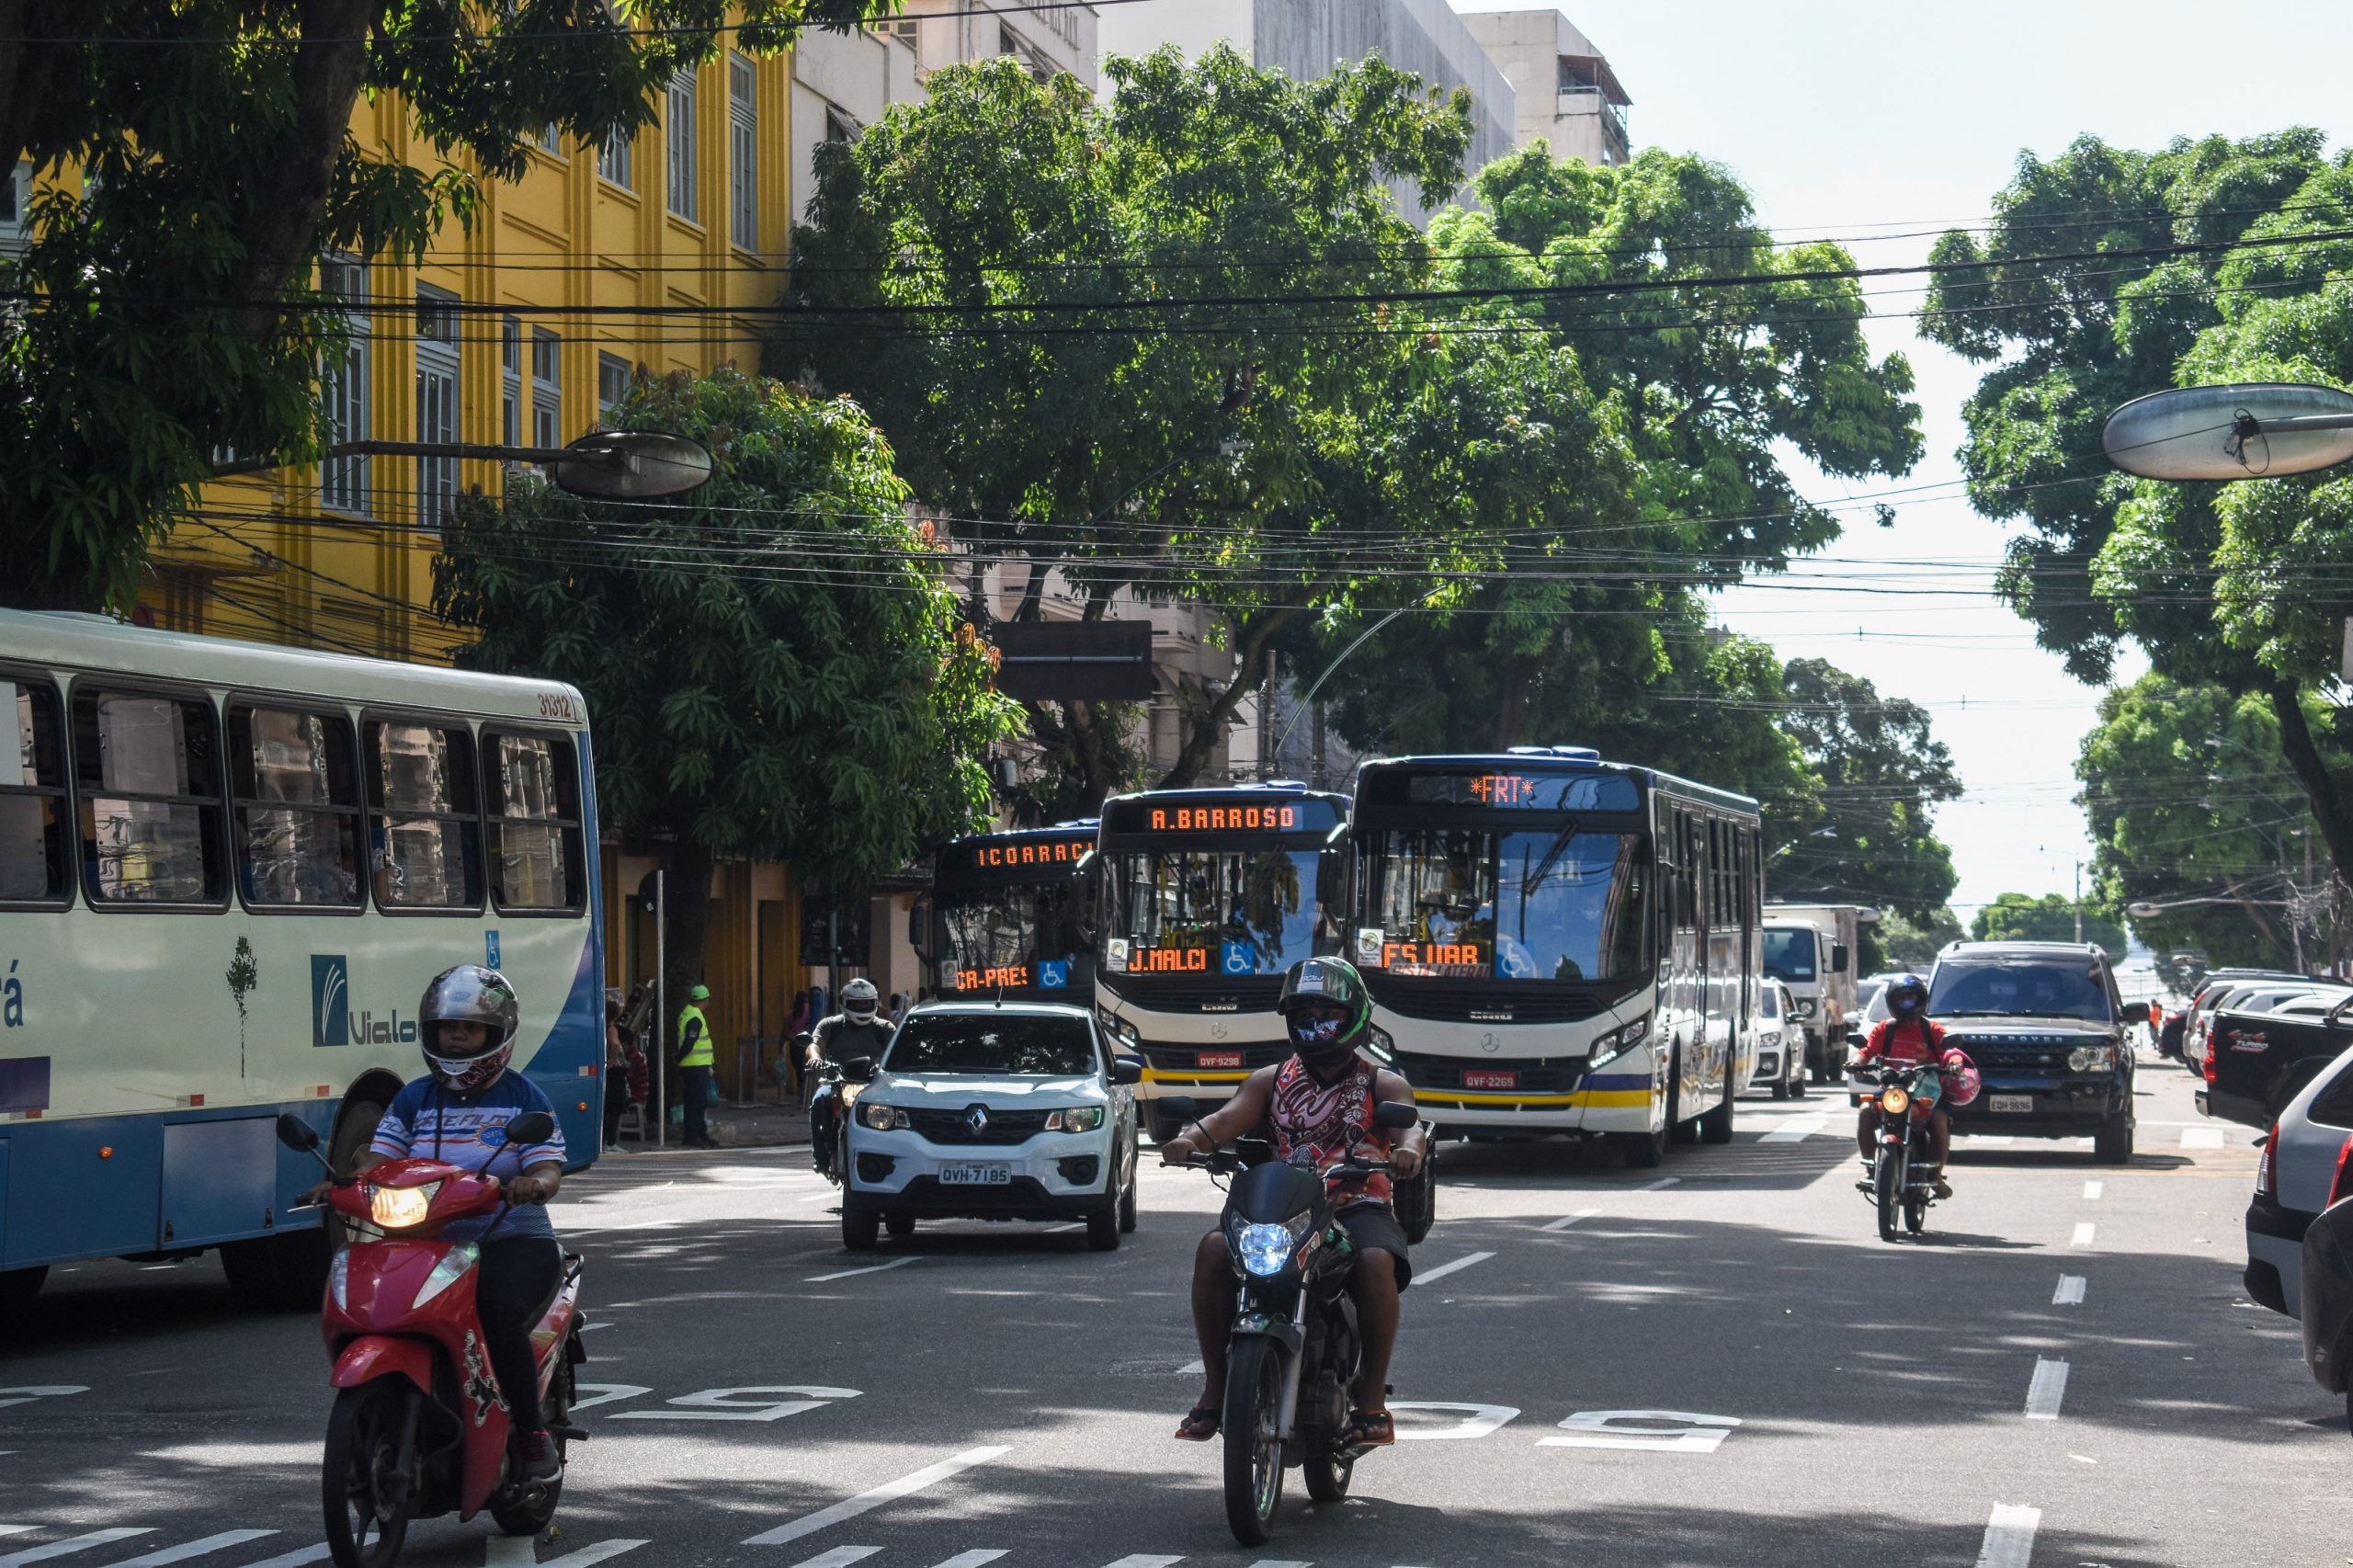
(1488, 1078)
(1218, 1059)
(975, 1175)
(2019, 1104)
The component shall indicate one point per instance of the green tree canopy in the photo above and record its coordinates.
(170, 308)
(2021, 917)
(826, 706)
(1866, 835)
(1896, 941)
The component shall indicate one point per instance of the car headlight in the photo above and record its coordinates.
(448, 1272)
(2092, 1058)
(1770, 1037)
(339, 1275)
(1617, 1042)
(1076, 1118)
(1266, 1249)
(397, 1208)
(1895, 1101)
(881, 1118)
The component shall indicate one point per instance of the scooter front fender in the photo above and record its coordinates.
(373, 1356)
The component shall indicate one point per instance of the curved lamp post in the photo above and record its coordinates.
(611, 465)
(2245, 430)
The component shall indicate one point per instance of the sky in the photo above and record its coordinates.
(1866, 121)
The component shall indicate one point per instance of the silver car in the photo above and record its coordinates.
(2293, 1182)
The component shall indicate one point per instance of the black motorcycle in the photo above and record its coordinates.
(1294, 1351)
(1899, 1179)
(838, 1082)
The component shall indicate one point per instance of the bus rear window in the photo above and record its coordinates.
(32, 797)
(148, 771)
(535, 851)
(428, 850)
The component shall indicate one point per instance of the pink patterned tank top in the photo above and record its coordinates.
(1312, 1122)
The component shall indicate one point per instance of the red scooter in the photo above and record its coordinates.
(419, 1427)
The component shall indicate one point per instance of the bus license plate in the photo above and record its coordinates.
(2022, 1105)
(1474, 1078)
(1218, 1059)
(975, 1175)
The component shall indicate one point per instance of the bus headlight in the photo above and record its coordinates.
(397, 1208)
(1617, 1042)
(881, 1118)
(1381, 1044)
(1895, 1101)
(2092, 1059)
(1077, 1119)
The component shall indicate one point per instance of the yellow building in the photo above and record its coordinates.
(600, 261)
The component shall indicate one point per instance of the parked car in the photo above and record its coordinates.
(2292, 1179)
(976, 1110)
(2257, 1060)
(1781, 1044)
(2212, 991)
(2044, 1025)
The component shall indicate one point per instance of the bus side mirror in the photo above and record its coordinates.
(1087, 899)
(1331, 869)
(1838, 958)
(919, 929)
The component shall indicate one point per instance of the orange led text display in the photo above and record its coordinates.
(1224, 819)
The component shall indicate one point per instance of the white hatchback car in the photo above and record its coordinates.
(994, 1111)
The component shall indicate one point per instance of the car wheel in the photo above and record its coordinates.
(1103, 1220)
(2112, 1144)
(1797, 1076)
(1780, 1088)
(860, 1227)
(900, 1226)
(1128, 1197)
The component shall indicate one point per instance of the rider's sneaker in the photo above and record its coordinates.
(535, 1459)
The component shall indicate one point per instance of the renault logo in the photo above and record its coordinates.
(977, 1119)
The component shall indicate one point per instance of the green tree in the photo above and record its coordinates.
(2021, 917)
(821, 706)
(1867, 837)
(1897, 941)
(2223, 584)
(169, 309)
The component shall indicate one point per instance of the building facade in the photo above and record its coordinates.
(1048, 42)
(1565, 91)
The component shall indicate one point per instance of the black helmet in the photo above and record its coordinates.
(468, 993)
(1907, 996)
(1324, 986)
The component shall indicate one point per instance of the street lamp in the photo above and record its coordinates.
(611, 465)
(2144, 909)
(2246, 430)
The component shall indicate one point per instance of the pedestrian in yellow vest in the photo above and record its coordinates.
(695, 1065)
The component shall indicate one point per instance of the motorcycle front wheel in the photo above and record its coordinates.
(1887, 1187)
(366, 1505)
(1327, 1477)
(1253, 1454)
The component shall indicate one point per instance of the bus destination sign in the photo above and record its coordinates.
(1187, 817)
(1525, 791)
(1020, 855)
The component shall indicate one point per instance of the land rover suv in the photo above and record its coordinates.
(2046, 1028)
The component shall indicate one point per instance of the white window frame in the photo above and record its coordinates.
(613, 375)
(440, 402)
(742, 153)
(678, 136)
(546, 388)
(343, 384)
(17, 228)
(510, 380)
(614, 165)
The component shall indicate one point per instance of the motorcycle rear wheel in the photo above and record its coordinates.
(1887, 1187)
(362, 1455)
(1253, 1454)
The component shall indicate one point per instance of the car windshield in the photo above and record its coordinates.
(1011, 934)
(992, 1042)
(1788, 954)
(1549, 904)
(2037, 988)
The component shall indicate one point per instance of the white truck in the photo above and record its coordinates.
(1812, 949)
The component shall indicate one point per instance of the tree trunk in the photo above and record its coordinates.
(686, 895)
(2312, 772)
(1204, 728)
(1515, 697)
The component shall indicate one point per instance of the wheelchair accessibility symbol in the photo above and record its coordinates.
(1238, 960)
(1053, 974)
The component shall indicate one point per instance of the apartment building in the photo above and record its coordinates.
(1565, 88)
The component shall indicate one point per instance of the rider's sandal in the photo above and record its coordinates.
(1200, 1424)
(1943, 1188)
(1370, 1429)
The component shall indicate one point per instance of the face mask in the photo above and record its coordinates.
(1319, 1038)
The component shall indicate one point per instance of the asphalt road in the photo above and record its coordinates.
(1000, 1394)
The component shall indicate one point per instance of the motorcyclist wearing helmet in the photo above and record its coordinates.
(457, 1112)
(1906, 1035)
(858, 1029)
(1307, 1103)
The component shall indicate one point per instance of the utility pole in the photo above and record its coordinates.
(2079, 901)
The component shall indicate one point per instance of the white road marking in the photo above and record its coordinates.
(2070, 1293)
(597, 1553)
(2092, 1191)
(865, 1502)
(593, 1327)
(221, 1542)
(1443, 1269)
(1566, 1220)
(1143, 1562)
(1477, 1420)
(1984, 1140)
(820, 1197)
(854, 1273)
(603, 1394)
(1597, 1429)
(971, 1559)
(839, 1557)
(32, 1392)
(1796, 1130)
(2048, 1387)
(510, 1551)
(2083, 1234)
(1186, 1370)
(2201, 1137)
(2010, 1537)
(1279, 1563)
(1661, 1185)
(300, 1557)
(70, 1544)
(730, 1404)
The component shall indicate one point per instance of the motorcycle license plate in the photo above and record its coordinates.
(975, 1175)
(1218, 1059)
(1489, 1078)
(2022, 1105)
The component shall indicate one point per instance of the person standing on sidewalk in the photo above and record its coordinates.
(694, 1066)
(616, 1073)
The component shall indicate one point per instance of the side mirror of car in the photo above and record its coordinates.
(1126, 1069)
(296, 1134)
(531, 1127)
(1395, 1114)
(859, 1069)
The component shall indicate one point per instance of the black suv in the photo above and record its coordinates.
(2046, 1028)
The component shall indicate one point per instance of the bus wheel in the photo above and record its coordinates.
(1678, 1131)
(1643, 1151)
(20, 1285)
(278, 1273)
(1715, 1127)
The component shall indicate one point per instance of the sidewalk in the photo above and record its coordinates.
(763, 1125)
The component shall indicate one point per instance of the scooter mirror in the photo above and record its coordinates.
(859, 1069)
(531, 1127)
(1180, 1108)
(1396, 1115)
(296, 1133)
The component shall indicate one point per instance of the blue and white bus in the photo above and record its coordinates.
(1560, 945)
(1005, 918)
(227, 871)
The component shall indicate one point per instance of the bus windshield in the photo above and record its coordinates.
(1212, 912)
(1788, 954)
(1548, 904)
(1011, 934)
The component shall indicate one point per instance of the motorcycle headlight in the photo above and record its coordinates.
(881, 1118)
(397, 1208)
(2092, 1058)
(340, 1276)
(1895, 1101)
(1077, 1119)
(448, 1272)
(1265, 1249)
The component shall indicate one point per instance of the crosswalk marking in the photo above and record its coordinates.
(1143, 1561)
(2070, 1293)
(597, 1553)
(2010, 1537)
(72, 1544)
(510, 1551)
(299, 1557)
(2083, 1234)
(1279, 1563)
(211, 1543)
(1796, 1130)
(1567, 1220)
(971, 1559)
(839, 1557)
(2092, 1191)
(2201, 1137)
(2047, 1387)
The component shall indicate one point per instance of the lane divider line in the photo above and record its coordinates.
(1140, 1560)
(1796, 1130)
(211, 1543)
(971, 1559)
(839, 1557)
(72, 1544)
(2083, 1234)
(2070, 1293)
(854, 1273)
(1443, 1269)
(2010, 1537)
(597, 1553)
(1566, 1220)
(866, 1502)
(1279, 1563)
(1066, 1225)
(2048, 1387)
(2092, 1191)
(1661, 1185)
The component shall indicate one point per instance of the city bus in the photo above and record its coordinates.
(227, 871)
(1203, 899)
(1560, 945)
(1004, 920)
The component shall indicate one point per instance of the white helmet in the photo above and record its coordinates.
(859, 1001)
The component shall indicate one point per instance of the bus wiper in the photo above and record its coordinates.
(1553, 854)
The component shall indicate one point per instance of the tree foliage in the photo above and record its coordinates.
(1867, 837)
(169, 307)
(1897, 941)
(823, 707)
(2022, 917)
